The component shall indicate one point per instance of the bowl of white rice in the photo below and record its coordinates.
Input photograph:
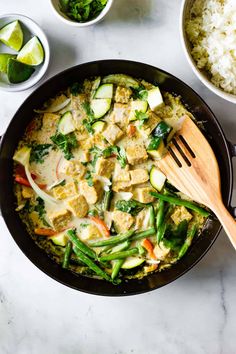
(208, 34)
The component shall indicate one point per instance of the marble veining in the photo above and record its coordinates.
(194, 315)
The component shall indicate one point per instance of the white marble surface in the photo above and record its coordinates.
(194, 315)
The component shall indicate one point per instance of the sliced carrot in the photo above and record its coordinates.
(149, 247)
(20, 171)
(102, 224)
(131, 130)
(24, 181)
(45, 232)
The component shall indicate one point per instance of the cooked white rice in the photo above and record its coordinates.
(212, 32)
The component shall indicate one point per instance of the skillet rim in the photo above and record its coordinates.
(227, 153)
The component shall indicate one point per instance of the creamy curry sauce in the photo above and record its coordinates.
(93, 148)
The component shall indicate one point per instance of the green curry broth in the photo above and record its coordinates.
(40, 131)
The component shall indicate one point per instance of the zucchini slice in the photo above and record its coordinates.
(104, 91)
(66, 124)
(157, 178)
(154, 98)
(159, 152)
(162, 130)
(100, 106)
(122, 80)
(132, 262)
(98, 126)
(137, 105)
(60, 239)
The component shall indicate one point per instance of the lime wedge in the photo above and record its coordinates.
(12, 35)
(18, 72)
(4, 60)
(32, 53)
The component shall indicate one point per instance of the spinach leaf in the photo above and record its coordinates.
(40, 209)
(65, 143)
(38, 152)
(132, 207)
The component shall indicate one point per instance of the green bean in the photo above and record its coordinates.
(107, 200)
(80, 245)
(161, 232)
(118, 255)
(118, 264)
(91, 264)
(181, 202)
(143, 234)
(67, 254)
(120, 247)
(160, 220)
(190, 235)
(152, 216)
(113, 240)
(160, 214)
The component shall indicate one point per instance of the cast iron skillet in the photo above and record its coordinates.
(223, 150)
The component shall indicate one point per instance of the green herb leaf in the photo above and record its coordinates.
(118, 151)
(88, 126)
(40, 209)
(82, 10)
(132, 207)
(83, 225)
(38, 152)
(122, 157)
(88, 111)
(89, 178)
(65, 143)
(140, 93)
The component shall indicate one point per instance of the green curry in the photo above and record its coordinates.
(87, 183)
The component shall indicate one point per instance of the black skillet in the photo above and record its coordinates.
(223, 149)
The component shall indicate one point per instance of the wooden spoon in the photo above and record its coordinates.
(191, 166)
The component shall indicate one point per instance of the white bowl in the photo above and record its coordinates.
(56, 7)
(184, 16)
(30, 29)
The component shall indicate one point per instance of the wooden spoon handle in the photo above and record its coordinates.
(227, 221)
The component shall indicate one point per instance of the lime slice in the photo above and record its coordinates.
(4, 60)
(32, 53)
(18, 72)
(12, 35)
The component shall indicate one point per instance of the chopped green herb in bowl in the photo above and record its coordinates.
(81, 13)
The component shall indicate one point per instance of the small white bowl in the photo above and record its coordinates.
(30, 29)
(56, 7)
(184, 16)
